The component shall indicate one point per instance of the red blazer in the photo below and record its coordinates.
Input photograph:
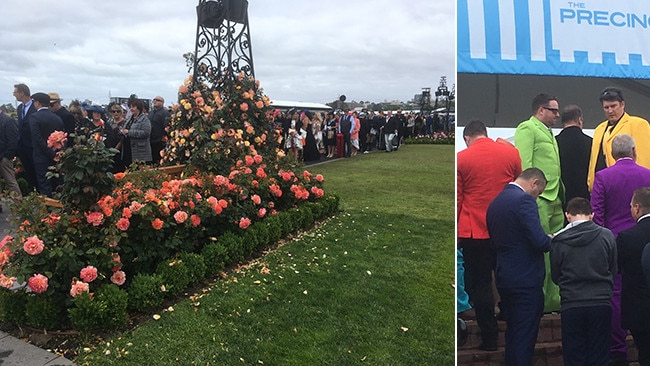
(482, 170)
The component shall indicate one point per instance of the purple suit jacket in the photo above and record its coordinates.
(612, 193)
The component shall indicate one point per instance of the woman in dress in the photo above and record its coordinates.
(114, 139)
(310, 150)
(330, 137)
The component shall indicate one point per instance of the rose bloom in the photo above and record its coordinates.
(256, 199)
(88, 274)
(95, 218)
(249, 160)
(319, 178)
(157, 224)
(135, 206)
(317, 192)
(223, 203)
(123, 224)
(4, 257)
(78, 287)
(196, 220)
(7, 282)
(243, 107)
(33, 245)
(37, 283)
(244, 222)
(57, 140)
(259, 104)
(126, 212)
(180, 217)
(261, 212)
(118, 278)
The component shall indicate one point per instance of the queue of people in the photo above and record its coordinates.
(139, 134)
(561, 224)
(312, 136)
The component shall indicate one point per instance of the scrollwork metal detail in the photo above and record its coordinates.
(223, 45)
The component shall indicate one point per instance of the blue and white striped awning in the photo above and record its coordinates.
(599, 38)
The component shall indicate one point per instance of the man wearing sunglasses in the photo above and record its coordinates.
(62, 112)
(538, 149)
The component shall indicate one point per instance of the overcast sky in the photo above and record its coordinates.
(311, 51)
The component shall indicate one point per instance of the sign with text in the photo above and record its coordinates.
(598, 38)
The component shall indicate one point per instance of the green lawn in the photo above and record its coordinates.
(372, 286)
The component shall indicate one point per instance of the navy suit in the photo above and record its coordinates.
(42, 124)
(635, 297)
(25, 148)
(514, 227)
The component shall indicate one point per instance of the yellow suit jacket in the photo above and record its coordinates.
(636, 127)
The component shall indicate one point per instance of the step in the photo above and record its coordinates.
(550, 330)
(548, 349)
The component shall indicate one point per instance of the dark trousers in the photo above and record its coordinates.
(43, 184)
(523, 307)
(27, 161)
(586, 335)
(480, 262)
(347, 145)
(642, 342)
(156, 148)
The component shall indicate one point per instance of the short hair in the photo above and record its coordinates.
(541, 100)
(138, 103)
(22, 88)
(611, 93)
(571, 113)
(533, 173)
(475, 128)
(623, 146)
(579, 206)
(641, 197)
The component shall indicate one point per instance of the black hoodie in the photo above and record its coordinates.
(583, 265)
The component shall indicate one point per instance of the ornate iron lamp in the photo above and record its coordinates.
(223, 45)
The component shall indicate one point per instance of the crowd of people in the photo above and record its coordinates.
(137, 131)
(558, 224)
(311, 136)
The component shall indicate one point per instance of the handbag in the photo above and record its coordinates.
(330, 134)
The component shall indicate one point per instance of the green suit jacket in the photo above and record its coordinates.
(538, 148)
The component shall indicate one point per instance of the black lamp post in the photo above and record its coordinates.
(223, 45)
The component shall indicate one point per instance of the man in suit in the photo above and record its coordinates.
(67, 117)
(25, 149)
(618, 122)
(483, 169)
(8, 147)
(346, 126)
(575, 148)
(538, 148)
(636, 294)
(514, 226)
(159, 118)
(612, 191)
(43, 123)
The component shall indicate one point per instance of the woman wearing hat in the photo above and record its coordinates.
(136, 132)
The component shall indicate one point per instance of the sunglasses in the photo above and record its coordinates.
(116, 111)
(611, 94)
(553, 110)
(157, 100)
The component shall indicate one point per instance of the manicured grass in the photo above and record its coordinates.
(370, 286)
